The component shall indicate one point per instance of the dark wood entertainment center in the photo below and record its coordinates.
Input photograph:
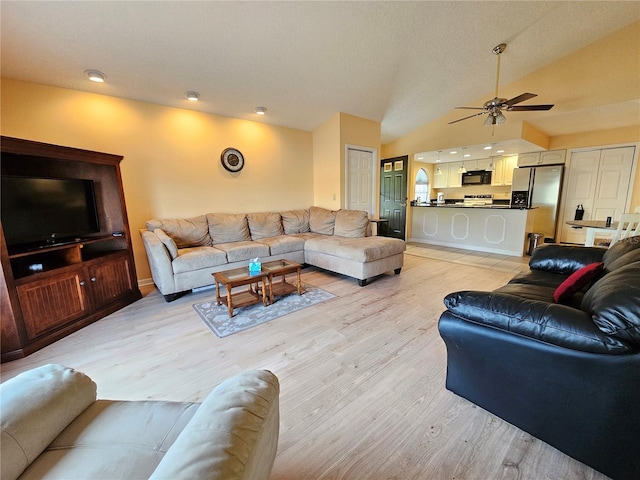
(48, 292)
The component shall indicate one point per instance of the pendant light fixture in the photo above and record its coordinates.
(462, 169)
(438, 170)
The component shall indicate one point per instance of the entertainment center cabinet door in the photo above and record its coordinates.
(110, 281)
(52, 302)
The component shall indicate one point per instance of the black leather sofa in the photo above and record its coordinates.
(568, 374)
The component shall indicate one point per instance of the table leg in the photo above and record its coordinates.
(591, 236)
(264, 291)
(229, 302)
(299, 282)
(218, 299)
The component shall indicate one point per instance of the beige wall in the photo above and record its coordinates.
(171, 165)
(329, 145)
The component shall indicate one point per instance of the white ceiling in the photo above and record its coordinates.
(404, 64)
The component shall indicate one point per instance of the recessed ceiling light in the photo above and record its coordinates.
(453, 152)
(420, 158)
(261, 110)
(499, 151)
(192, 96)
(95, 76)
(488, 147)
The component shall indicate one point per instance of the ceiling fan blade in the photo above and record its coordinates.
(470, 116)
(470, 108)
(520, 98)
(524, 108)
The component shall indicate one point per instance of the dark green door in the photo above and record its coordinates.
(393, 195)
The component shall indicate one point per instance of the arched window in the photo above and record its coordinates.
(421, 189)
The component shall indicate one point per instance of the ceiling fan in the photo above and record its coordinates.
(493, 108)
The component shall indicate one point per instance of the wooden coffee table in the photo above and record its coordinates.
(239, 277)
(280, 268)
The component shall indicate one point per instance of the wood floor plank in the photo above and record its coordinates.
(362, 375)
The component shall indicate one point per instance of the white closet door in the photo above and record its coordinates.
(600, 181)
(580, 188)
(360, 180)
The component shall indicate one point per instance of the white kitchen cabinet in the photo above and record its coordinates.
(471, 165)
(441, 180)
(483, 163)
(455, 177)
(533, 159)
(503, 170)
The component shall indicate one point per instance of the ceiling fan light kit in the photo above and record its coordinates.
(494, 107)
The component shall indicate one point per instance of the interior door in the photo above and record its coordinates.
(393, 196)
(360, 187)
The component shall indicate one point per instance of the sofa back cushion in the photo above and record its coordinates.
(351, 223)
(228, 227)
(321, 220)
(264, 225)
(295, 221)
(168, 242)
(36, 406)
(620, 249)
(186, 232)
(614, 303)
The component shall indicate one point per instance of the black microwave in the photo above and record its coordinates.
(477, 177)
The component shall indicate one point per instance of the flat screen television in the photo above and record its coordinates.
(44, 211)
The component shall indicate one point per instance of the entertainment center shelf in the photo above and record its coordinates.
(48, 291)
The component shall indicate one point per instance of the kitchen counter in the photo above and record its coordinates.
(486, 228)
(459, 205)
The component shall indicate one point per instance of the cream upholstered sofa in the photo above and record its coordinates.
(183, 253)
(54, 428)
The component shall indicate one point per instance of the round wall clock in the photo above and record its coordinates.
(232, 159)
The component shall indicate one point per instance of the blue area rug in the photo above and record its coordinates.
(216, 317)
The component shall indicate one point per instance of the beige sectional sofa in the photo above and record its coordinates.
(183, 253)
(53, 427)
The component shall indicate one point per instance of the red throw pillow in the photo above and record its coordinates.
(576, 281)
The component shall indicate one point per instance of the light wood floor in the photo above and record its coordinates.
(362, 375)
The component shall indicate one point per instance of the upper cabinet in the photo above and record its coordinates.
(483, 163)
(503, 170)
(553, 157)
(455, 177)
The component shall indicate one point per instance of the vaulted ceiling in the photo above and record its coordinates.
(404, 64)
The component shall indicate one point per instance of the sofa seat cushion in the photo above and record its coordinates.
(186, 232)
(264, 225)
(546, 322)
(195, 258)
(295, 221)
(351, 223)
(113, 440)
(283, 244)
(228, 227)
(366, 249)
(539, 277)
(240, 251)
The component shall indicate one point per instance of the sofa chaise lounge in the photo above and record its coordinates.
(54, 428)
(556, 352)
(183, 253)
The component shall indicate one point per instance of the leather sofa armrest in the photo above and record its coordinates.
(564, 259)
(232, 436)
(547, 322)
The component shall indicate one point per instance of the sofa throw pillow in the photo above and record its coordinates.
(351, 223)
(186, 232)
(295, 221)
(228, 227)
(264, 225)
(168, 242)
(576, 281)
(321, 220)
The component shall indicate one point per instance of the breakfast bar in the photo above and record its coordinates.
(484, 228)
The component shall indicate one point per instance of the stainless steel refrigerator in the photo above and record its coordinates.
(539, 188)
